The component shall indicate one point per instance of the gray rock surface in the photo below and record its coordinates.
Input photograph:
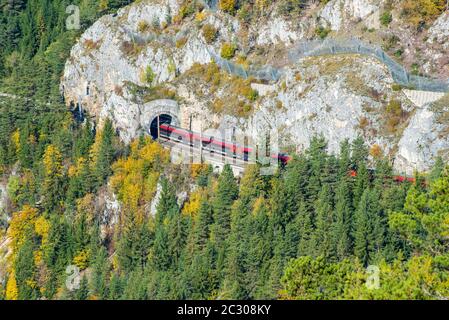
(331, 96)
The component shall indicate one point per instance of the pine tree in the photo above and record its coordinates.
(437, 170)
(115, 287)
(83, 292)
(362, 229)
(226, 194)
(52, 190)
(362, 182)
(307, 244)
(359, 152)
(342, 224)
(101, 274)
(105, 154)
(203, 221)
(324, 223)
(344, 161)
(25, 270)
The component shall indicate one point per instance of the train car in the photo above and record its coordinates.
(209, 143)
(397, 178)
(232, 150)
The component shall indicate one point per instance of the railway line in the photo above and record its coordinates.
(218, 152)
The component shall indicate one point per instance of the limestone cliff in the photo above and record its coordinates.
(152, 56)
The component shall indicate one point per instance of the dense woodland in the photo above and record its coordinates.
(308, 232)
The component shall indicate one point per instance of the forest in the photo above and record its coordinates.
(311, 231)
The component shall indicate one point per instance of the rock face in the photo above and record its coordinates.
(337, 12)
(439, 32)
(421, 142)
(339, 97)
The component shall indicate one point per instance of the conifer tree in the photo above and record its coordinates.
(83, 292)
(105, 154)
(342, 223)
(226, 194)
(324, 223)
(101, 274)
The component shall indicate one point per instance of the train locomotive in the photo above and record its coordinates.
(212, 144)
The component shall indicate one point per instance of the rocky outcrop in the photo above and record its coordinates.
(338, 12)
(439, 32)
(421, 143)
(339, 97)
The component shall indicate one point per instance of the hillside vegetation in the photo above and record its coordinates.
(77, 195)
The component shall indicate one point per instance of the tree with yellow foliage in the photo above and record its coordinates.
(22, 227)
(422, 11)
(228, 6)
(52, 190)
(12, 292)
(135, 178)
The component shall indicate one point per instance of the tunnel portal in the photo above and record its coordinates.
(163, 119)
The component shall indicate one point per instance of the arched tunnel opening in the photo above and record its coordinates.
(163, 119)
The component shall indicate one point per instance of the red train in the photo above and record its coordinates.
(212, 144)
(233, 150)
(399, 179)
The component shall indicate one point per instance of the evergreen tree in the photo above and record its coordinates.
(25, 272)
(324, 223)
(226, 194)
(83, 292)
(105, 154)
(101, 274)
(342, 223)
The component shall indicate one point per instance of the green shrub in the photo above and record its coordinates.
(210, 33)
(322, 32)
(187, 9)
(143, 26)
(398, 53)
(149, 75)
(228, 6)
(228, 50)
(386, 18)
(419, 12)
(415, 69)
(394, 108)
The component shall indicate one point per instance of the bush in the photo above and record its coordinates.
(90, 45)
(292, 7)
(187, 9)
(181, 43)
(149, 75)
(419, 12)
(143, 26)
(394, 108)
(210, 33)
(393, 115)
(322, 32)
(228, 6)
(228, 50)
(376, 151)
(248, 92)
(244, 13)
(386, 18)
(130, 48)
(363, 123)
(200, 16)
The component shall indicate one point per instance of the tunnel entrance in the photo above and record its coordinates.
(163, 119)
